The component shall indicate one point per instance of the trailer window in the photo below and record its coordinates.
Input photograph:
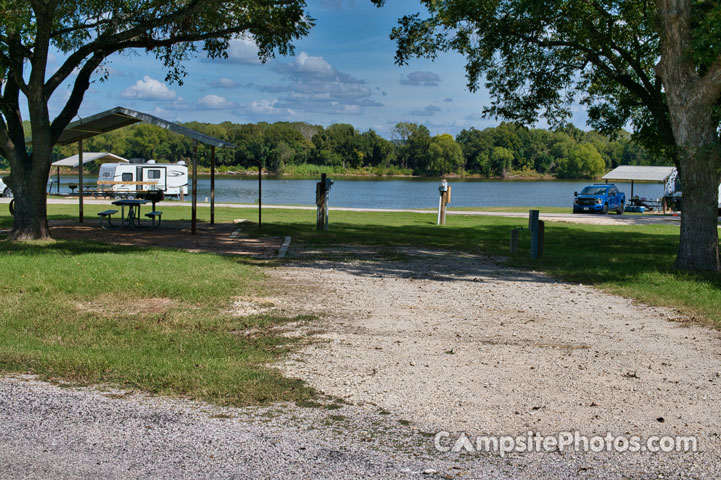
(153, 174)
(127, 177)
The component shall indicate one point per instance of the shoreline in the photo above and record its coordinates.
(292, 176)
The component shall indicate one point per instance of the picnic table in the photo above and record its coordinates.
(133, 218)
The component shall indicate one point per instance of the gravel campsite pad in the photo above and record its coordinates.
(458, 343)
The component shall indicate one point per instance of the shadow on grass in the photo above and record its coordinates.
(577, 253)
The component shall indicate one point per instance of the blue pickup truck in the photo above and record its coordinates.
(600, 197)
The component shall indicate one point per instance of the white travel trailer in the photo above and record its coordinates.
(673, 188)
(5, 190)
(127, 179)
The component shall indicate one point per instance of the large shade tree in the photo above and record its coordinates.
(86, 33)
(653, 64)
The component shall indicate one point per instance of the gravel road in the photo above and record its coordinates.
(412, 343)
(49, 432)
(457, 343)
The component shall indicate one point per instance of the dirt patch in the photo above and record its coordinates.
(243, 307)
(171, 234)
(457, 342)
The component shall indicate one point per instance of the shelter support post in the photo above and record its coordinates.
(80, 180)
(260, 194)
(212, 184)
(57, 188)
(195, 188)
(631, 189)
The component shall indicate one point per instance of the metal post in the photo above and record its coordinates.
(80, 180)
(195, 188)
(212, 184)
(440, 203)
(533, 227)
(260, 194)
(57, 188)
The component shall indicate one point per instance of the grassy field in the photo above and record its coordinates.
(149, 319)
(76, 310)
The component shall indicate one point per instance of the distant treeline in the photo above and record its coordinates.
(298, 147)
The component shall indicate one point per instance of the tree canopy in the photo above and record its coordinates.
(295, 147)
(86, 33)
(537, 58)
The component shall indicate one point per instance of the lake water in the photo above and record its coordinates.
(399, 193)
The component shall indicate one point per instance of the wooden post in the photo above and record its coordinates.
(212, 184)
(57, 189)
(80, 180)
(260, 194)
(320, 203)
(514, 240)
(195, 188)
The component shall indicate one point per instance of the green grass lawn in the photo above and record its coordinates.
(77, 312)
(68, 306)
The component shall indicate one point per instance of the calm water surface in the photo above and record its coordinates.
(398, 193)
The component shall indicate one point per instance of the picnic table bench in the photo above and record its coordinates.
(107, 214)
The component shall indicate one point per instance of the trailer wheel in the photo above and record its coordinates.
(12, 207)
(131, 197)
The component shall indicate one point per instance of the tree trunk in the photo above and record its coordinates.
(691, 99)
(29, 190)
(699, 242)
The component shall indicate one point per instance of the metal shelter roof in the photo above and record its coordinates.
(119, 117)
(74, 161)
(640, 173)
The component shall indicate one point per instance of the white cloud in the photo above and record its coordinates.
(421, 79)
(215, 102)
(268, 107)
(225, 82)
(315, 86)
(149, 89)
(304, 63)
(243, 50)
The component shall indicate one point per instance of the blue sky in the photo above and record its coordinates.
(343, 72)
